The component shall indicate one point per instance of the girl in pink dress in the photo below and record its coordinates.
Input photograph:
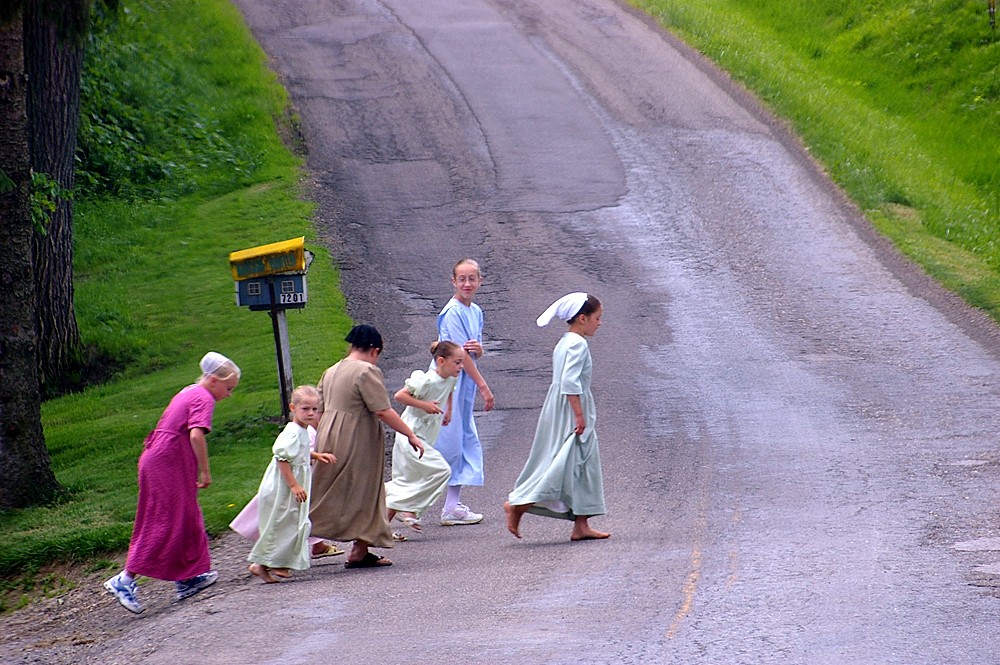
(168, 539)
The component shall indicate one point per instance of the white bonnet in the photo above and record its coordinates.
(565, 308)
(212, 362)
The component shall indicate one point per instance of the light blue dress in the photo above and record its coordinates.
(417, 482)
(563, 473)
(459, 441)
(284, 521)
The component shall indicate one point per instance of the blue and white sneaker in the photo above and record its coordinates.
(124, 592)
(189, 587)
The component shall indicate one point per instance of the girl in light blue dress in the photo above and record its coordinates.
(461, 321)
(562, 477)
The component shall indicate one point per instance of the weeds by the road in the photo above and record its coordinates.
(153, 287)
(899, 100)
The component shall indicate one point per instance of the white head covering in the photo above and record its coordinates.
(211, 362)
(565, 308)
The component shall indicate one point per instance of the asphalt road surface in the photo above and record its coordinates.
(797, 427)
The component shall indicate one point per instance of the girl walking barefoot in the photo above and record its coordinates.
(417, 482)
(168, 538)
(562, 477)
(461, 321)
(283, 507)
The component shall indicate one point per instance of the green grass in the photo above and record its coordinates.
(899, 100)
(154, 290)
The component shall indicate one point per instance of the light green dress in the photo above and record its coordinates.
(562, 476)
(417, 482)
(284, 521)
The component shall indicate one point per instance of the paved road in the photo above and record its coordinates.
(797, 428)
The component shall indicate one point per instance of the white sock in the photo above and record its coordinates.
(125, 577)
(452, 498)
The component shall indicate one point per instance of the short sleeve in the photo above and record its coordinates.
(417, 382)
(574, 362)
(371, 385)
(200, 409)
(451, 326)
(287, 447)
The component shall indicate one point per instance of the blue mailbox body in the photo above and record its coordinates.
(290, 292)
(278, 268)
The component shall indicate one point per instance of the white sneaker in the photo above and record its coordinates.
(124, 592)
(460, 514)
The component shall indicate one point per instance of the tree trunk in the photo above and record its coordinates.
(54, 64)
(25, 472)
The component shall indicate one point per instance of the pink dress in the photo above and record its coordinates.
(168, 539)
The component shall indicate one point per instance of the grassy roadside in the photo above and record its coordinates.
(900, 101)
(153, 286)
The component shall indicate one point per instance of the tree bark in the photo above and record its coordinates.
(54, 64)
(25, 471)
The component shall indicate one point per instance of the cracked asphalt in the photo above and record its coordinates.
(797, 426)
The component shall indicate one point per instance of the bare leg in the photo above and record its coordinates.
(261, 572)
(358, 551)
(389, 514)
(583, 531)
(514, 514)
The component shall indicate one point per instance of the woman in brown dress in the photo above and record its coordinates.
(348, 497)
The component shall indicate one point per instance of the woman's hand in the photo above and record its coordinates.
(417, 445)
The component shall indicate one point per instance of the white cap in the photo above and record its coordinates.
(565, 308)
(212, 361)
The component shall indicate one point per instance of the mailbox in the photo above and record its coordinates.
(272, 276)
(273, 259)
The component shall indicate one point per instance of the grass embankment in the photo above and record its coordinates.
(184, 164)
(900, 100)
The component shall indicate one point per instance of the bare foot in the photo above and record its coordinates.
(514, 514)
(283, 573)
(261, 572)
(588, 533)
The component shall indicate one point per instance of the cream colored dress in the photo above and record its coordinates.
(348, 497)
(283, 520)
(417, 482)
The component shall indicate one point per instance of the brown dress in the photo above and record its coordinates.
(348, 497)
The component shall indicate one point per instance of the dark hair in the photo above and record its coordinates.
(444, 348)
(589, 307)
(364, 337)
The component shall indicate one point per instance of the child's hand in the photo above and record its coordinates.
(432, 407)
(204, 479)
(447, 419)
(487, 394)
(325, 458)
(581, 425)
(300, 493)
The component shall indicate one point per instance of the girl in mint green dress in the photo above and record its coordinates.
(417, 482)
(283, 497)
(562, 477)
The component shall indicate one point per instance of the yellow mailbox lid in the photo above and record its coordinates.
(278, 257)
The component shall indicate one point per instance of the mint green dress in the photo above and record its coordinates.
(562, 476)
(417, 482)
(284, 521)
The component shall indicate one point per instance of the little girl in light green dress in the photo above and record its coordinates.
(417, 482)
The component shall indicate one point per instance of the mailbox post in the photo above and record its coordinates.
(272, 278)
